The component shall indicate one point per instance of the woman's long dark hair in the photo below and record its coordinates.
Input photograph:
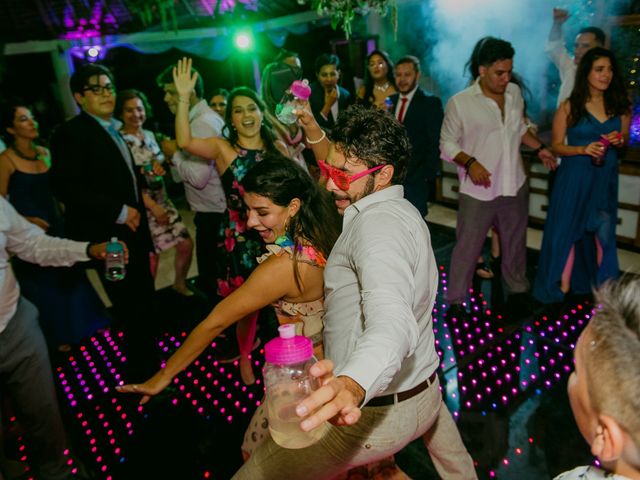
(317, 222)
(368, 81)
(616, 98)
(231, 134)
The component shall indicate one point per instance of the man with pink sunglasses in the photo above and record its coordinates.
(380, 384)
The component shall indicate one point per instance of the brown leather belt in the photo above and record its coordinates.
(394, 398)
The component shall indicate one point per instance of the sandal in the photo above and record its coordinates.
(484, 271)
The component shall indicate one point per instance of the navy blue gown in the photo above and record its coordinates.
(583, 207)
(68, 305)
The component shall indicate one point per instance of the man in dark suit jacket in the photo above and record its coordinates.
(94, 176)
(328, 98)
(422, 115)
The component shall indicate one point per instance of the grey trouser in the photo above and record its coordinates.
(509, 216)
(380, 432)
(25, 374)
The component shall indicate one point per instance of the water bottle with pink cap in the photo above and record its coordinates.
(299, 91)
(288, 382)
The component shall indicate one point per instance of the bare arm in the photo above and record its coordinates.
(559, 133)
(258, 291)
(544, 154)
(6, 170)
(202, 147)
(316, 137)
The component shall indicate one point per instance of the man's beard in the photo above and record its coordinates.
(368, 189)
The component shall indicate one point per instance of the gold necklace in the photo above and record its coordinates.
(381, 88)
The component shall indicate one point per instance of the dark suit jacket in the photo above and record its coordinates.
(91, 178)
(317, 102)
(423, 120)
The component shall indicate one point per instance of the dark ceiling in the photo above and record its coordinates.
(23, 20)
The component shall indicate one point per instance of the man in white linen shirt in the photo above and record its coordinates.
(555, 48)
(381, 281)
(483, 128)
(202, 184)
(25, 370)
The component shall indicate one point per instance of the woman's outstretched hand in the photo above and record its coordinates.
(148, 389)
(182, 78)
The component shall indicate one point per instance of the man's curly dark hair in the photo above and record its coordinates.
(373, 137)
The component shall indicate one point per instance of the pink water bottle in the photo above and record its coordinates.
(299, 91)
(598, 161)
(288, 382)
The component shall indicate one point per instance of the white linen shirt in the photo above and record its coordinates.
(473, 124)
(28, 242)
(381, 281)
(566, 66)
(202, 185)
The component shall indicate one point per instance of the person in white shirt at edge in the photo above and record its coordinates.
(604, 388)
(555, 48)
(202, 184)
(482, 130)
(25, 370)
(380, 388)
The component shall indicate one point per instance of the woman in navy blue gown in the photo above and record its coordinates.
(579, 244)
(69, 309)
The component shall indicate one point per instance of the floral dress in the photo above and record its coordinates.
(308, 319)
(239, 246)
(164, 236)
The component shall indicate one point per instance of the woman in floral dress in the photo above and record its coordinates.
(165, 223)
(247, 138)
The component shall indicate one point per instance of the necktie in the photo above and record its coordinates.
(126, 154)
(403, 105)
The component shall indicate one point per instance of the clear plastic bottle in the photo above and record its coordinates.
(287, 382)
(299, 91)
(155, 182)
(114, 261)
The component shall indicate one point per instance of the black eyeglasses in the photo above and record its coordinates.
(100, 89)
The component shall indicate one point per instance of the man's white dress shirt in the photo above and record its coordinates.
(381, 281)
(29, 242)
(473, 124)
(202, 185)
(566, 66)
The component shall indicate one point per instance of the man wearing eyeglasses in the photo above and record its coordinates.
(93, 175)
(380, 387)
